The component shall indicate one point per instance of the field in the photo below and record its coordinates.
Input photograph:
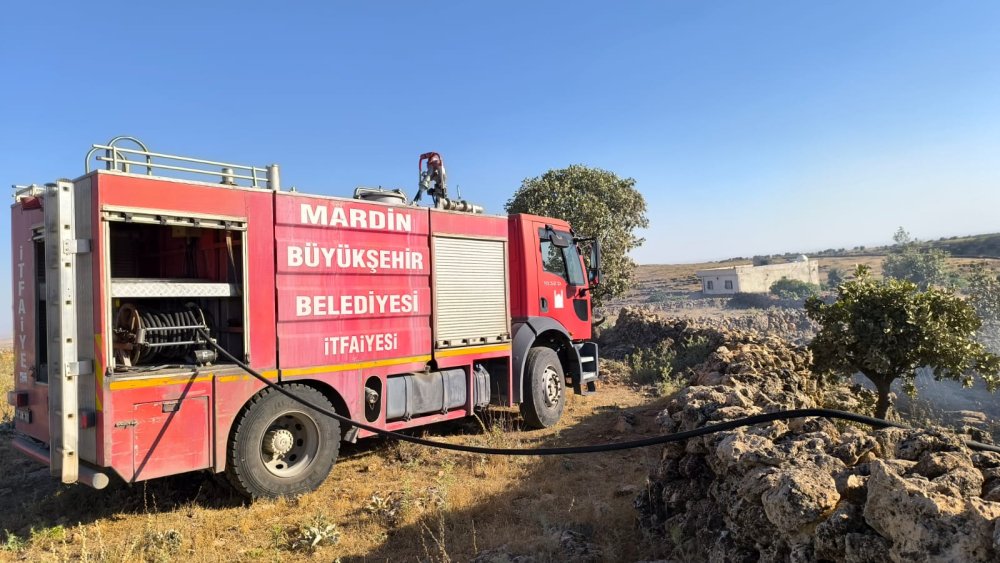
(666, 283)
(384, 501)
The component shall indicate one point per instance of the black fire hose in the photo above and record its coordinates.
(597, 448)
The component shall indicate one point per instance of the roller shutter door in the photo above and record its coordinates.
(470, 292)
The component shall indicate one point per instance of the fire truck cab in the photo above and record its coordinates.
(389, 313)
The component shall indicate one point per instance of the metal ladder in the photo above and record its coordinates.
(586, 383)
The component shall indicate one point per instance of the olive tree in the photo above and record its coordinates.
(910, 261)
(887, 329)
(834, 278)
(984, 292)
(596, 203)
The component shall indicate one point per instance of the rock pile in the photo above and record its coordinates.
(807, 490)
(652, 325)
(792, 325)
(637, 328)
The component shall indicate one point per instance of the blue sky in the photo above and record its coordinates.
(751, 127)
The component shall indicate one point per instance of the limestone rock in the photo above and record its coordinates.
(923, 525)
(800, 498)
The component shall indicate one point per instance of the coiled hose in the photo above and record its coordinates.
(165, 334)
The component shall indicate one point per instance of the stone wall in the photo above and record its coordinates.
(807, 490)
(758, 279)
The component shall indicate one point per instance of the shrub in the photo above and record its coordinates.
(13, 542)
(750, 301)
(984, 292)
(793, 289)
(908, 260)
(658, 296)
(652, 365)
(316, 532)
(662, 364)
(693, 352)
(834, 278)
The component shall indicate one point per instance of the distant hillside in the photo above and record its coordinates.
(976, 246)
(971, 246)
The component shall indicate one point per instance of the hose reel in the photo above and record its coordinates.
(146, 335)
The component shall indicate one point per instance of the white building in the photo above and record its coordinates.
(756, 279)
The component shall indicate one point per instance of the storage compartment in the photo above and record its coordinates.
(172, 277)
(415, 394)
(169, 435)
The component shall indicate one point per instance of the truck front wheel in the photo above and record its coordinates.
(280, 447)
(544, 388)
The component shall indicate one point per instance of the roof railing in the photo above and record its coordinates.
(122, 159)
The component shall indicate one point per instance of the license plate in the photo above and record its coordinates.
(23, 415)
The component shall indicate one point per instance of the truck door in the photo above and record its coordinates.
(563, 292)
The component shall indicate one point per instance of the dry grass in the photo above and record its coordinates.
(384, 501)
(6, 385)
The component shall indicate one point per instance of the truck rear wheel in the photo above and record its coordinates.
(544, 388)
(280, 447)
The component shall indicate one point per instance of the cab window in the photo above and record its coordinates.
(563, 262)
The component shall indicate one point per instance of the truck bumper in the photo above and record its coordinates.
(87, 476)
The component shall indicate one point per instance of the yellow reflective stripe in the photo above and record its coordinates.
(473, 350)
(153, 382)
(359, 365)
(270, 374)
(182, 379)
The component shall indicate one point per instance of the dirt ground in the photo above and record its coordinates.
(384, 501)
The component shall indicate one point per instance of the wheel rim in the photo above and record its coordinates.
(553, 386)
(290, 444)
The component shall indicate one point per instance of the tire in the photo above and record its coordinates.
(280, 447)
(544, 388)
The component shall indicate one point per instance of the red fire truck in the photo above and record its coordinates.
(387, 312)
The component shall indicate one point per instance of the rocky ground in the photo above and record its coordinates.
(805, 490)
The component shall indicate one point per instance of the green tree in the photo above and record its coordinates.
(834, 278)
(887, 329)
(793, 289)
(596, 203)
(911, 261)
(984, 292)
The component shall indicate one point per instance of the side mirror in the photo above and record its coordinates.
(594, 271)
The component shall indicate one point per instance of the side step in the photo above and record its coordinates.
(586, 384)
